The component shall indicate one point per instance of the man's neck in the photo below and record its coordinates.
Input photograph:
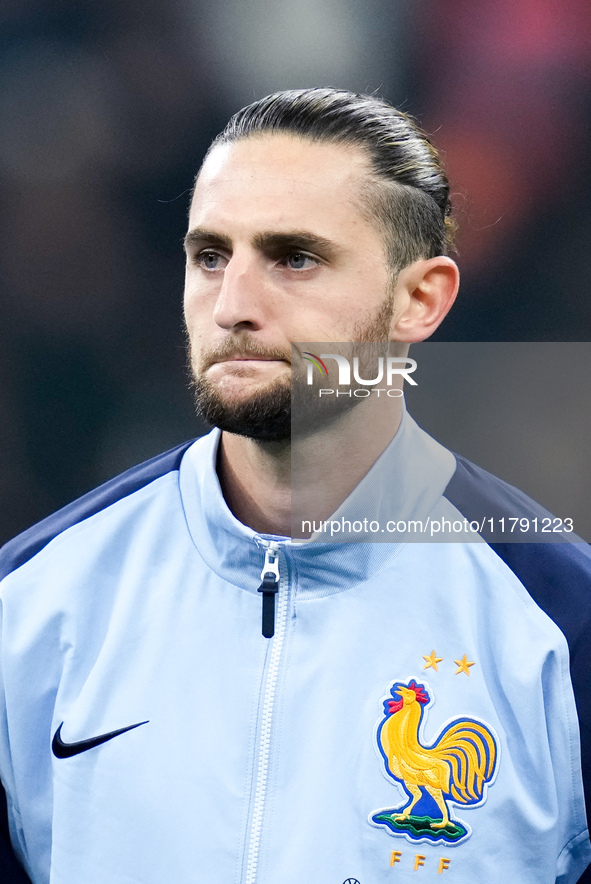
(256, 482)
(262, 480)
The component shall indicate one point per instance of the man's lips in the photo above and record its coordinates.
(241, 359)
(247, 367)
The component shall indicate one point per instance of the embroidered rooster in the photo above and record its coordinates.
(455, 768)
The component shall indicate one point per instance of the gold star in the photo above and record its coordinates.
(432, 660)
(463, 665)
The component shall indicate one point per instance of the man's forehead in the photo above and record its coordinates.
(281, 157)
(262, 168)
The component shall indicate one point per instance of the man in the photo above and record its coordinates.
(405, 707)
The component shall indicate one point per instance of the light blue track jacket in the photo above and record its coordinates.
(412, 718)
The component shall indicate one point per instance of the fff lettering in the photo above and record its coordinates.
(395, 365)
(419, 861)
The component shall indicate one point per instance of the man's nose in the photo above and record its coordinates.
(240, 301)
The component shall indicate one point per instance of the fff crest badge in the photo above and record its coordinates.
(453, 769)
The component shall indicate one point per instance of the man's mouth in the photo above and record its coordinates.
(248, 360)
(246, 367)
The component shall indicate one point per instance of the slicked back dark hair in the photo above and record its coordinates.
(406, 190)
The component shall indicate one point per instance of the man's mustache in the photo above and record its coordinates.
(245, 348)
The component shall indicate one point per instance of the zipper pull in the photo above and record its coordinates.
(269, 588)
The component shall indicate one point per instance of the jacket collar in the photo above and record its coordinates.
(406, 482)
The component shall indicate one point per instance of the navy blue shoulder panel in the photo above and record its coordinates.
(11, 872)
(480, 497)
(30, 542)
(556, 575)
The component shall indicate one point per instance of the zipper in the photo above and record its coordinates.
(269, 588)
(271, 567)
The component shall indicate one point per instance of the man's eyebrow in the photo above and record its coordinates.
(200, 237)
(295, 239)
(266, 242)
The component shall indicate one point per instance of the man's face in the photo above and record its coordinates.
(278, 250)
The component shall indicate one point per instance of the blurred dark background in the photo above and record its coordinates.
(106, 110)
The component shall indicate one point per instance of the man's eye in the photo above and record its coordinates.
(210, 260)
(300, 261)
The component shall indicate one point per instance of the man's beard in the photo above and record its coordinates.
(266, 415)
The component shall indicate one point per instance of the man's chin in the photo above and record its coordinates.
(264, 415)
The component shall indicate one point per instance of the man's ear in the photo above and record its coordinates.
(423, 294)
